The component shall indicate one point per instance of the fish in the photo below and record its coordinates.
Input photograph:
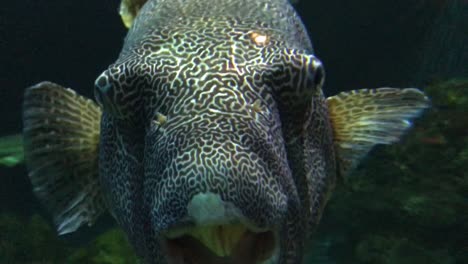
(210, 139)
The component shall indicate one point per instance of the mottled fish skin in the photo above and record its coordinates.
(219, 96)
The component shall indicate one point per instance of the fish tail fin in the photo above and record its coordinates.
(129, 10)
(364, 118)
(61, 136)
(11, 150)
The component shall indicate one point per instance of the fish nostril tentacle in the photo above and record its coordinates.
(103, 83)
(103, 92)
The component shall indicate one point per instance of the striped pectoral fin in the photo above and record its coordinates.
(61, 136)
(363, 118)
(129, 10)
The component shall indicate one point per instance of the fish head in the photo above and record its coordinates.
(193, 158)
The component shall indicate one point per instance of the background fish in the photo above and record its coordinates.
(11, 150)
(212, 141)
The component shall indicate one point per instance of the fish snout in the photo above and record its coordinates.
(216, 231)
(249, 190)
(217, 206)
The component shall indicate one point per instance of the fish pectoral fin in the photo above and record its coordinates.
(363, 118)
(61, 136)
(129, 10)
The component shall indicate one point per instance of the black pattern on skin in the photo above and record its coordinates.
(244, 117)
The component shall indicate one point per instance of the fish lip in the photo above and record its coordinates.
(179, 229)
(176, 239)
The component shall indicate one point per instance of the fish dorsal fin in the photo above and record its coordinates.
(61, 136)
(363, 118)
(129, 10)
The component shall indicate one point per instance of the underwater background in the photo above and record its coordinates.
(406, 203)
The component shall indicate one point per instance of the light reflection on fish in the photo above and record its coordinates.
(212, 141)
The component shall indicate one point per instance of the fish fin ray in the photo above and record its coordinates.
(364, 118)
(61, 136)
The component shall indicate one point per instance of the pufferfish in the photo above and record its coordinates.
(211, 140)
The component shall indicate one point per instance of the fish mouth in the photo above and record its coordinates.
(216, 244)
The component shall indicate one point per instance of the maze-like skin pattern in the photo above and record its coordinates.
(214, 96)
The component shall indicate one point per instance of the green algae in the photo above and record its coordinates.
(33, 240)
(24, 240)
(11, 150)
(109, 248)
(391, 250)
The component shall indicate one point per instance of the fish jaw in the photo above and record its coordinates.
(218, 233)
(229, 243)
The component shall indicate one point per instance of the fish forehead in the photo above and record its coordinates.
(277, 14)
(211, 41)
(206, 64)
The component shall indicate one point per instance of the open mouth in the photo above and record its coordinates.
(219, 244)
